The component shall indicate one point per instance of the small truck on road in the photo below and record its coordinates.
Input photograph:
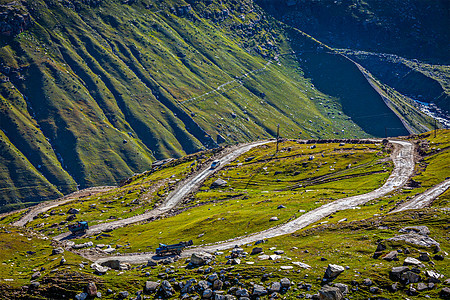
(164, 249)
(78, 227)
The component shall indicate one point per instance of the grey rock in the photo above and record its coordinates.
(285, 283)
(256, 250)
(410, 261)
(217, 284)
(151, 287)
(259, 291)
(234, 261)
(396, 272)
(91, 289)
(409, 277)
(423, 230)
(330, 293)
(219, 183)
(273, 219)
(81, 296)
(275, 287)
(113, 264)
(445, 293)
(98, 269)
(422, 286)
(35, 275)
(418, 240)
(367, 282)
(57, 251)
(433, 276)
(423, 256)
(281, 206)
(34, 284)
(333, 271)
(390, 256)
(123, 295)
(207, 294)
(62, 261)
(278, 252)
(73, 211)
(374, 290)
(201, 258)
(242, 293)
(342, 287)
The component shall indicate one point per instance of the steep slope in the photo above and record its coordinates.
(94, 91)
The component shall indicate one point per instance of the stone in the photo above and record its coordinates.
(438, 257)
(433, 276)
(256, 250)
(201, 258)
(333, 271)
(274, 257)
(34, 284)
(410, 261)
(411, 291)
(301, 265)
(285, 283)
(330, 293)
(91, 289)
(374, 290)
(279, 252)
(394, 287)
(396, 272)
(391, 256)
(166, 289)
(409, 277)
(207, 294)
(275, 287)
(418, 240)
(367, 282)
(151, 263)
(242, 293)
(342, 287)
(423, 256)
(62, 261)
(423, 230)
(259, 291)
(273, 219)
(376, 255)
(219, 183)
(35, 275)
(218, 284)
(422, 286)
(281, 206)
(445, 293)
(57, 251)
(263, 257)
(98, 269)
(73, 211)
(151, 287)
(213, 277)
(123, 295)
(381, 247)
(81, 296)
(286, 267)
(84, 245)
(234, 261)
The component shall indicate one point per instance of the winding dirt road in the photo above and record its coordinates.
(403, 169)
(175, 197)
(424, 199)
(45, 206)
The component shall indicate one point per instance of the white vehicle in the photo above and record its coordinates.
(215, 164)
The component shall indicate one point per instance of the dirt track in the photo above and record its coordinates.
(403, 169)
(175, 197)
(45, 206)
(424, 199)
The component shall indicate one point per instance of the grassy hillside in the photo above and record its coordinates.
(94, 91)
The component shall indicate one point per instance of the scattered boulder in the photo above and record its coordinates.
(219, 183)
(73, 211)
(151, 287)
(285, 283)
(424, 256)
(396, 273)
(91, 289)
(275, 287)
(342, 287)
(201, 258)
(423, 230)
(445, 293)
(35, 275)
(411, 261)
(367, 282)
(256, 250)
(123, 295)
(409, 277)
(81, 296)
(301, 265)
(278, 252)
(333, 271)
(391, 256)
(258, 291)
(273, 219)
(57, 251)
(207, 294)
(84, 245)
(418, 240)
(98, 269)
(166, 289)
(433, 276)
(281, 206)
(330, 293)
(422, 286)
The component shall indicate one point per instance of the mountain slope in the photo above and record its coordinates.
(94, 91)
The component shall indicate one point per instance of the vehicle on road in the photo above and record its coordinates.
(164, 249)
(215, 164)
(78, 227)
